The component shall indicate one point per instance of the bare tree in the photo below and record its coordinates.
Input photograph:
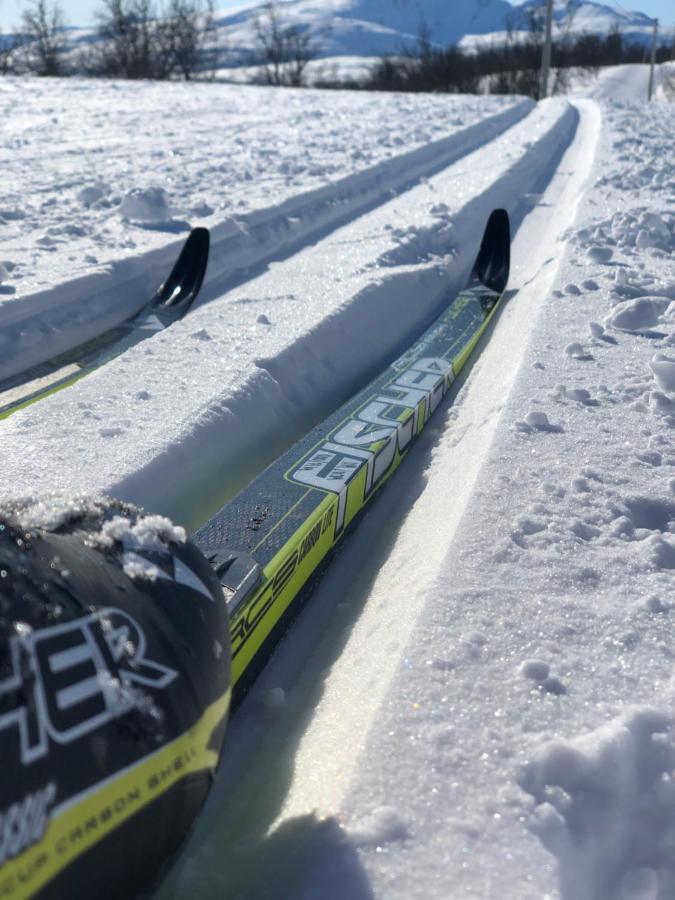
(140, 39)
(190, 29)
(43, 27)
(285, 50)
(9, 44)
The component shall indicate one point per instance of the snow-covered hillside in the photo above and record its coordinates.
(478, 699)
(372, 28)
(375, 27)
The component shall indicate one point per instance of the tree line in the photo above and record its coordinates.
(154, 39)
(511, 67)
(161, 39)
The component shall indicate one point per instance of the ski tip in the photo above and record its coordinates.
(181, 288)
(494, 257)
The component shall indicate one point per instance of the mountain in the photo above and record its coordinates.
(377, 27)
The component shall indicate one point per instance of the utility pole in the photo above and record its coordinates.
(650, 89)
(546, 51)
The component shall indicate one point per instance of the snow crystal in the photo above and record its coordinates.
(147, 532)
(53, 511)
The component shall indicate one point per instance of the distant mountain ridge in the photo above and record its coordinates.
(377, 27)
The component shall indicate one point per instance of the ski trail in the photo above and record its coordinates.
(53, 321)
(473, 420)
(624, 83)
(294, 748)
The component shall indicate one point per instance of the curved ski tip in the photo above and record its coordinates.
(494, 257)
(185, 280)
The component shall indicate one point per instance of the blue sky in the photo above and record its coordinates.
(81, 12)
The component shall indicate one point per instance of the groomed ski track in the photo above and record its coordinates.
(48, 322)
(262, 366)
(301, 746)
(244, 395)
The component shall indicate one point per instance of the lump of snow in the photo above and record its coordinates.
(535, 670)
(538, 419)
(146, 205)
(382, 826)
(663, 368)
(92, 193)
(581, 395)
(645, 239)
(572, 289)
(148, 532)
(201, 210)
(599, 254)
(201, 335)
(596, 329)
(54, 510)
(660, 405)
(604, 806)
(4, 274)
(659, 552)
(638, 315)
(575, 350)
(263, 320)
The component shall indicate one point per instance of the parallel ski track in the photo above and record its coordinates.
(283, 771)
(239, 249)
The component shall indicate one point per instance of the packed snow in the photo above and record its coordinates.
(262, 172)
(479, 699)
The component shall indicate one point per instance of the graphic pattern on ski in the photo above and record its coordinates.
(270, 539)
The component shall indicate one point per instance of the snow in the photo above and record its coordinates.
(478, 700)
(628, 82)
(260, 385)
(262, 172)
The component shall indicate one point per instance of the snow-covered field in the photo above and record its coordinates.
(89, 225)
(479, 699)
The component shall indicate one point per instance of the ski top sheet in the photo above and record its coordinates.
(122, 644)
(266, 544)
(171, 301)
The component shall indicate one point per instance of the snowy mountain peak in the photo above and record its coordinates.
(376, 27)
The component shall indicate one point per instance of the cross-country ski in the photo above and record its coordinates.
(150, 658)
(171, 302)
